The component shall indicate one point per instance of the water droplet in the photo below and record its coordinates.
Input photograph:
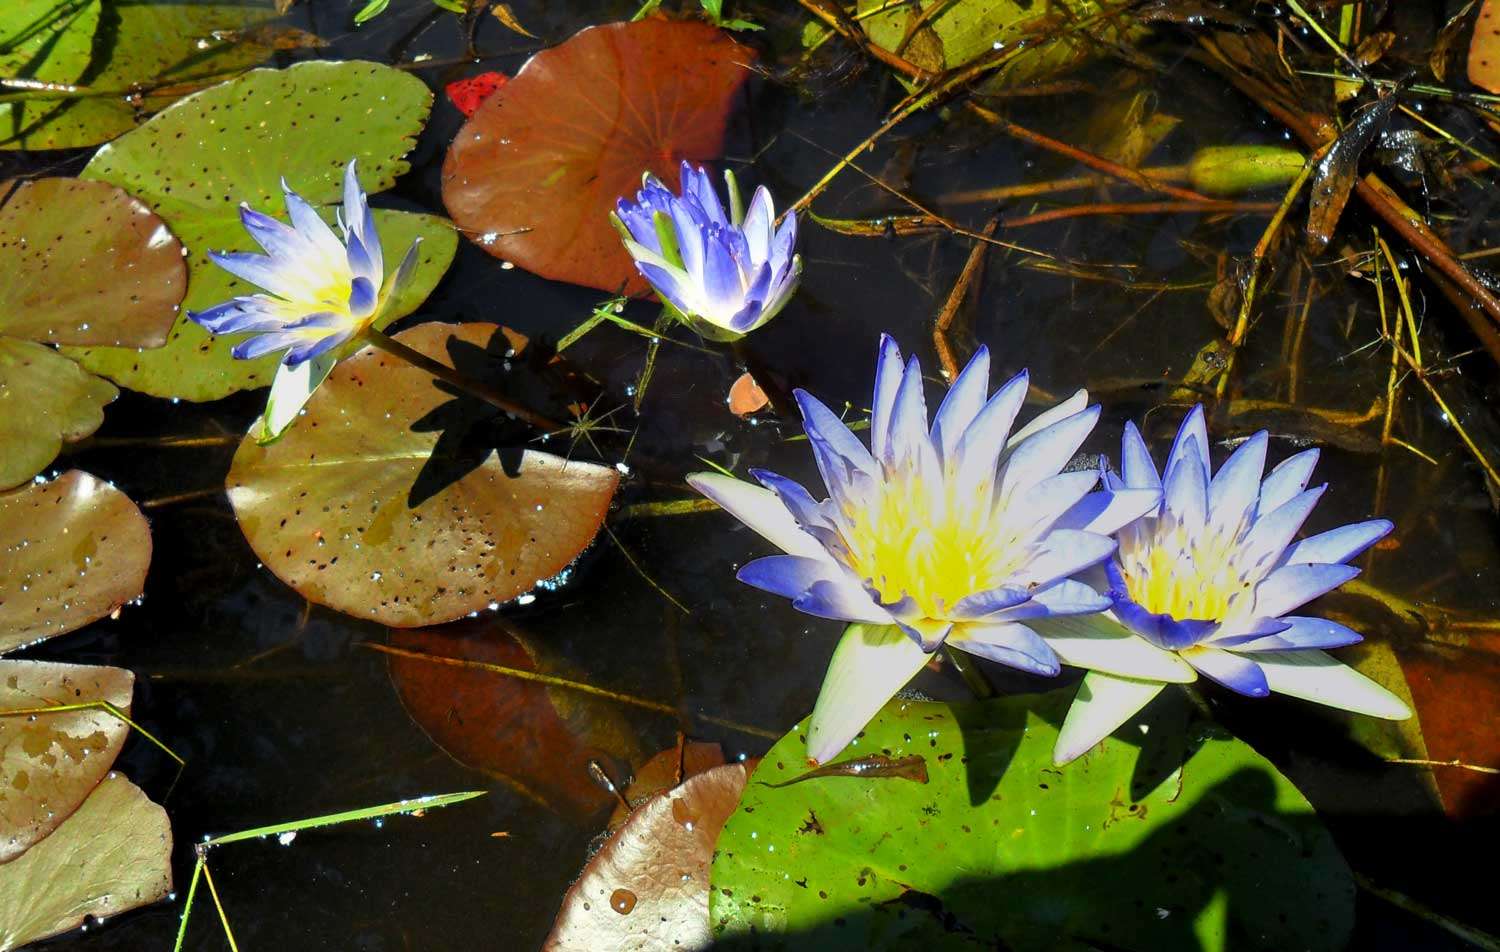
(622, 901)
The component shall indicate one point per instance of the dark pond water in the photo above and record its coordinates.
(281, 714)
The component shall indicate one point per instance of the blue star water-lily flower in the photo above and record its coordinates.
(1210, 575)
(321, 292)
(726, 272)
(962, 534)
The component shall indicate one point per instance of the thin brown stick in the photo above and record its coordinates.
(834, 16)
(956, 297)
(1096, 162)
(1137, 208)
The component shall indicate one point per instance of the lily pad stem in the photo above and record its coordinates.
(467, 384)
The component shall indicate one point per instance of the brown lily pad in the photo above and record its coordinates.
(75, 550)
(86, 264)
(534, 173)
(112, 855)
(538, 739)
(49, 763)
(663, 771)
(371, 506)
(1458, 703)
(648, 887)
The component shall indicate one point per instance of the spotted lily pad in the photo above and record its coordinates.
(366, 507)
(73, 550)
(1188, 842)
(144, 54)
(537, 739)
(195, 162)
(49, 763)
(112, 855)
(534, 173)
(647, 887)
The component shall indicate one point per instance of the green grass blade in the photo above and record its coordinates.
(350, 816)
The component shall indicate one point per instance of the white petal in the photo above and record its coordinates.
(290, 391)
(758, 508)
(1316, 676)
(870, 664)
(1104, 702)
(1100, 643)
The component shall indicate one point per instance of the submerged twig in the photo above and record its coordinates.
(966, 279)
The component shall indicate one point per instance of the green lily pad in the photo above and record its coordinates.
(965, 30)
(75, 550)
(1191, 842)
(48, 41)
(379, 505)
(111, 856)
(197, 161)
(131, 57)
(196, 365)
(46, 400)
(49, 763)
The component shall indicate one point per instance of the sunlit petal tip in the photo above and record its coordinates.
(1103, 704)
(870, 664)
(1315, 676)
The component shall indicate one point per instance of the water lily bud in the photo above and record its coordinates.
(1232, 169)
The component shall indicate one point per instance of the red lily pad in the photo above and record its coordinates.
(74, 550)
(648, 887)
(387, 500)
(467, 94)
(537, 739)
(534, 173)
(1458, 703)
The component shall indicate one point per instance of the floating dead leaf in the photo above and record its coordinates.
(1445, 49)
(507, 16)
(1334, 175)
(535, 172)
(535, 737)
(665, 770)
(73, 551)
(746, 396)
(648, 887)
(112, 855)
(49, 763)
(389, 501)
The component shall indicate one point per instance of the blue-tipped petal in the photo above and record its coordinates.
(979, 448)
(989, 602)
(928, 633)
(843, 600)
(1107, 511)
(837, 450)
(1338, 545)
(1274, 531)
(1292, 586)
(1136, 467)
(798, 501)
(1302, 633)
(758, 508)
(1194, 429)
(785, 575)
(1162, 630)
(1235, 487)
(760, 224)
(263, 344)
(1239, 674)
(1185, 490)
(1010, 644)
(259, 270)
(363, 297)
(908, 438)
(312, 349)
(670, 285)
(1288, 479)
(1045, 453)
(961, 404)
(1063, 553)
(1060, 599)
(889, 369)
